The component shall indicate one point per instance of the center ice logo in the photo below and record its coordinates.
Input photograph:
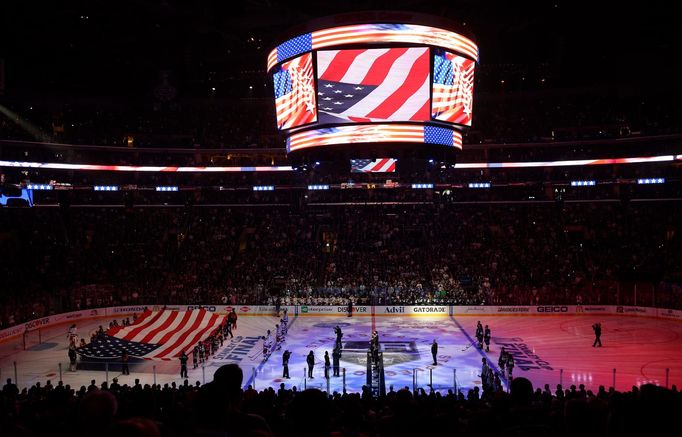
(395, 352)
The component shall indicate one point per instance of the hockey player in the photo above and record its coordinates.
(510, 366)
(279, 337)
(267, 344)
(285, 320)
(486, 338)
(502, 362)
(479, 334)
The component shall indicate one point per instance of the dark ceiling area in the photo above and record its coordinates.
(119, 48)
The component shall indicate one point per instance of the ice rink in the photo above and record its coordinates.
(547, 350)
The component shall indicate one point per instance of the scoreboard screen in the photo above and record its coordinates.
(373, 85)
(379, 165)
(453, 88)
(295, 93)
(384, 86)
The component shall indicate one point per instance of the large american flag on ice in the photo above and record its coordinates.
(373, 85)
(453, 88)
(155, 335)
(295, 93)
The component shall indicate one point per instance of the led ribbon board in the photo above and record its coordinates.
(373, 34)
(374, 133)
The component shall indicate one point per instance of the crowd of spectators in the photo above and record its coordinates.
(61, 259)
(221, 407)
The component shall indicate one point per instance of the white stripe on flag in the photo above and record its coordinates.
(395, 79)
(324, 59)
(160, 321)
(361, 65)
(414, 103)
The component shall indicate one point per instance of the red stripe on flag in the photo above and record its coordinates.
(340, 65)
(187, 333)
(423, 113)
(133, 332)
(381, 66)
(415, 78)
(197, 337)
(180, 327)
(379, 165)
(161, 327)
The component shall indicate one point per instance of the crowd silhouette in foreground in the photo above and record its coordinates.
(221, 407)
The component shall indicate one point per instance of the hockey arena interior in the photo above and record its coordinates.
(275, 218)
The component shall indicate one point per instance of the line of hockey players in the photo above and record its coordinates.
(208, 347)
(271, 344)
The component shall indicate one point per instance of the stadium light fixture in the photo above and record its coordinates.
(264, 188)
(479, 185)
(166, 189)
(318, 187)
(422, 186)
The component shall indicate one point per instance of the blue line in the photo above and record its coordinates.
(483, 354)
(260, 366)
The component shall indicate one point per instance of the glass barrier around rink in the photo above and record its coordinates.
(464, 382)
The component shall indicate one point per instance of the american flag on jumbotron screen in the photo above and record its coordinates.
(381, 165)
(295, 93)
(453, 88)
(370, 85)
(155, 335)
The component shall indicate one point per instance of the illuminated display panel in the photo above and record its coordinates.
(295, 93)
(373, 34)
(373, 85)
(218, 169)
(372, 134)
(453, 88)
(380, 165)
